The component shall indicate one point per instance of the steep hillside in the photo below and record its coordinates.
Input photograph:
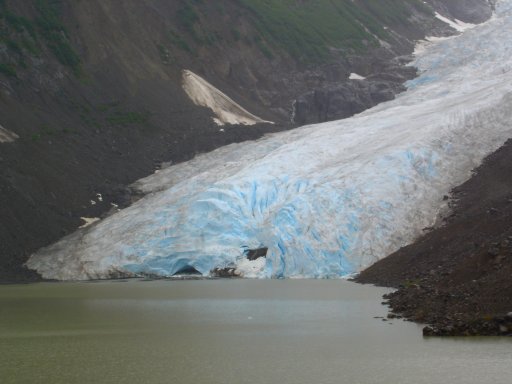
(91, 96)
(457, 277)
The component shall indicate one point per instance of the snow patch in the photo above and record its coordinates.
(7, 136)
(89, 221)
(227, 111)
(355, 76)
(458, 25)
(423, 45)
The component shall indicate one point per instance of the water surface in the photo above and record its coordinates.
(234, 331)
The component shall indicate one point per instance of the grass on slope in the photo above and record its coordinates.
(308, 29)
(23, 37)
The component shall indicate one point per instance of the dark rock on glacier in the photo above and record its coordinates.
(253, 254)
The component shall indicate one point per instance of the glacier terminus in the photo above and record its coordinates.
(326, 200)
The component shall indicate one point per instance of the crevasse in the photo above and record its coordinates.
(326, 199)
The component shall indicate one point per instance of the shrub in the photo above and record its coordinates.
(8, 70)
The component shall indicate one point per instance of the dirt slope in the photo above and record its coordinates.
(458, 278)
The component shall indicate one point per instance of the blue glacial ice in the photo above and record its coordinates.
(326, 199)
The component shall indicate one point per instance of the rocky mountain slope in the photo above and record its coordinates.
(457, 277)
(91, 92)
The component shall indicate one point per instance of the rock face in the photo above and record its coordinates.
(470, 11)
(345, 99)
(254, 254)
(457, 277)
(384, 72)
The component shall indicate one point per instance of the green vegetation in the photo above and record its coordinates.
(165, 54)
(108, 114)
(8, 70)
(55, 34)
(305, 30)
(19, 23)
(30, 46)
(178, 41)
(86, 115)
(309, 30)
(47, 131)
(188, 17)
(13, 46)
(23, 36)
(107, 106)
(126, 118)
(263, 47)
(190, 21)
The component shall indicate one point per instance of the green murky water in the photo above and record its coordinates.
(234, 331)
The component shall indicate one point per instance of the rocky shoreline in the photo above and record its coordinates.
(457, 278)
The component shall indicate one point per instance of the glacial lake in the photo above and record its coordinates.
(228, 331)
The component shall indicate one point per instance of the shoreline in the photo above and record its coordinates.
(453, 278)
(456, 278)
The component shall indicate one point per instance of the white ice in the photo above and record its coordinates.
(326, 199)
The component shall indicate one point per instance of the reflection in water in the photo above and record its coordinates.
(235, 331)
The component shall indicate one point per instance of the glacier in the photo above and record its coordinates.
(326, 200)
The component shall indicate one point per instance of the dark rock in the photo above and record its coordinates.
(345, 99)
(472, 11)
(188, 270)
(225, 272)
(464, 267)
(253, 254)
